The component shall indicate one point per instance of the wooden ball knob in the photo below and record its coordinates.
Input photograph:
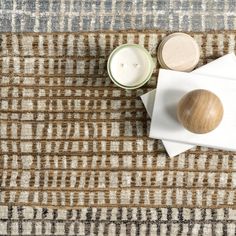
(200, 111)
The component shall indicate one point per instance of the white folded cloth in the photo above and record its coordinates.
(224, 67)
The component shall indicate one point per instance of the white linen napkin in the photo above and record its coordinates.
(224, 67)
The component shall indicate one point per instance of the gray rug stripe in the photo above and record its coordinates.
(116, 221)
(70, 15)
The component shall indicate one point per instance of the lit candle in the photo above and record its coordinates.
(130, 66)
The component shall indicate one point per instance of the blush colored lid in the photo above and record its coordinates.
(178, 51)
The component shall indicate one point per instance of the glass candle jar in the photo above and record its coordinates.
(130, 66)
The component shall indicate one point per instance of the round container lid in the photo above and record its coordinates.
(179, 52)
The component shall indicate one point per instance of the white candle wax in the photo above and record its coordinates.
(130, 66)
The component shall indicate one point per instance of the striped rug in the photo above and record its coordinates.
(75, 157)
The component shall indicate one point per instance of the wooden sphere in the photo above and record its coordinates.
(200, 111)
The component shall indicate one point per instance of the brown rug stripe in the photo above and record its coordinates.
(70, 138)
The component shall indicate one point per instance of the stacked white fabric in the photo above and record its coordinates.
(217, 76)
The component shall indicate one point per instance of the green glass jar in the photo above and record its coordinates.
(130, 66)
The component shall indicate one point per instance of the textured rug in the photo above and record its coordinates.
(77, 15)
(75, 150)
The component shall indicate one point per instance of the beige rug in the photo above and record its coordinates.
(70, 138)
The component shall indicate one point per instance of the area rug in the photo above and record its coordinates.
(75, 154)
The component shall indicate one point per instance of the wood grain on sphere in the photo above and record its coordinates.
(200, 111)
